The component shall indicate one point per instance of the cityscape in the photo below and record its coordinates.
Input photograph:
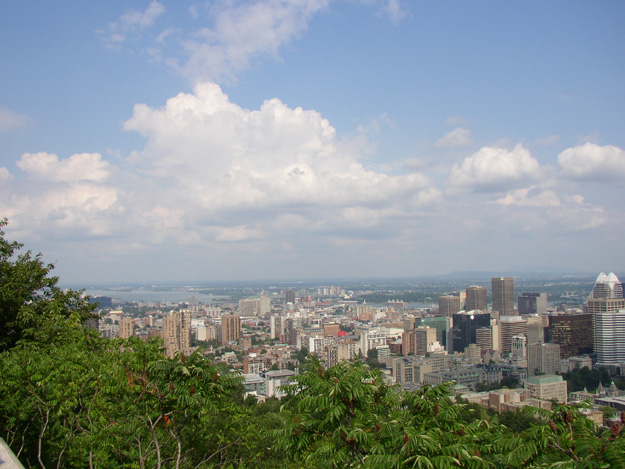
(311, 234)
(478, 337)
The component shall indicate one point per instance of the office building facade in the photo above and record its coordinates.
(476, 298)
(503, 295)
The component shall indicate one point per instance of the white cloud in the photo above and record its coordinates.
(132, 19)
(5, 175)
(78, 167)
(459, 137)
(228, 158)
(10, 120)
(495, 169)
(131, 22)
(244, 32)
(593, 162)
(395, 10)
(530, 197)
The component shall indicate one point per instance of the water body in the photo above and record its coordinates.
(154, 296)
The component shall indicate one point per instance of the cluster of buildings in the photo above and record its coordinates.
(467, 339)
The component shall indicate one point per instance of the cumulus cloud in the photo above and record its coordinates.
(10, 120)
(495, 169)
(231, 158)
(456, 138)
(78, 167)
(593, 162)
(132, 22)
(244, 32)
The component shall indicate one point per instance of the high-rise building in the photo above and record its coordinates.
(449, 304)
(126, 328)
(610, 337)
(543, 359)
(607, 287)
(230, 329)
(177, 332)
(532, 303)
(503, 295)
(465, 325)
(605, 304)
(476, 298)
(511, 326)
(290, 296)
(416, 341)
(535, 329)
(573, 332)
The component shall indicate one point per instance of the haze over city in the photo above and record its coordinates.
(165, 141)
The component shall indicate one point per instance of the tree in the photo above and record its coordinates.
(29, 294)
(348, 417)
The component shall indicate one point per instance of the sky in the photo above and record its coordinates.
(290, 139)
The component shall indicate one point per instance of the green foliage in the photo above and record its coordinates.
(579, 379)
(28, 295)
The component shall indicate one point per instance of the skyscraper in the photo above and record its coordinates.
(503, 295)
(230, 328)
(465, 325)
(290, 296)
(573, 332)
(532, 303)
(607, 306)
(543, 358)
(449, 304)
(477, 298)
(177, 332)
(511, 326)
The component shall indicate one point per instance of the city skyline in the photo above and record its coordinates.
(151, 141)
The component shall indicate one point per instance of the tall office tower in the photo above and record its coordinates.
(503, 295)
(449, 304)
(177, 332)
(605, 304)
(290, 296)
(416, 341)
(573, 332)
(442, 324)
(607, 287)
(477, 298)
(511, 326)
(609, 337)
(535, 329)
(230, 329)
(465, 325)
(126, 328)
(532, 303)
(543, 358)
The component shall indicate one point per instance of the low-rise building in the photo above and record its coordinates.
(547, 387)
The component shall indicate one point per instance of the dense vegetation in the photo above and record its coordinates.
(69, 398)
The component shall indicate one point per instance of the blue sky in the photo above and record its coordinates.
(230, 139)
